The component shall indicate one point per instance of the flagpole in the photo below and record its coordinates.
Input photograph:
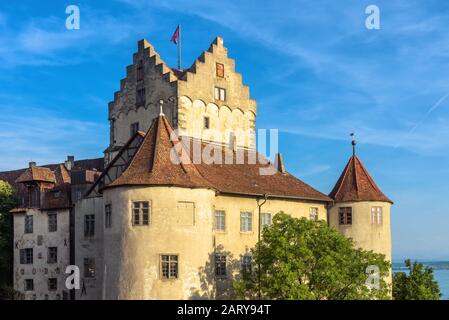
(179, 48)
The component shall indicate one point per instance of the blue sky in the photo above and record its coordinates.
(316, 72)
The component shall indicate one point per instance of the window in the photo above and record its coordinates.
(134, 127)
(247, 261)
(206, 123)
(89, 267)
(219, 68)
(107, 216)
(89, 225)
(34, 197)
(220, 94)
(141, 213)
(266, 219)
(376, 215)
(345, 215)
(220, 265)
(140, 97)
(29, 285)
(139, 75)
(169, 266)
(313, 214)
(52, 222)
(52, 284)
(52, 256)
(220, 222)
(28, 224)
(26, 256)
(246, 221)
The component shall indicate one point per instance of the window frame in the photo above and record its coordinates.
(52, 284)
(220, 264)
(89, 225)
(28, 224)
(141, 213)
(244, 265)
(169, 262)
(222, 67)
(250, 230)
(347, 218)
(89, 270)
(108, 216)
(25, 257)
(263, 223)
(220, 93)
(314, 216)
(52, 225)
(206, 122)
(133, 128)
(216, 220)
(26, 282)
(377, 215)
(52, 255)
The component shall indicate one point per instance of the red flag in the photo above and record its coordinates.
(175, 36)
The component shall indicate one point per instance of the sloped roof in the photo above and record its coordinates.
(152, 165)
(355, 184)
(35, 173)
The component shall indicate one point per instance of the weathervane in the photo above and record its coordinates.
(353, 143)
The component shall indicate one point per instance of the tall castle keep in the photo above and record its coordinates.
(207, 101)
(149, 222)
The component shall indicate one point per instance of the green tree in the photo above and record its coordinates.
(418, 284)
(7, 202)
(302, 259)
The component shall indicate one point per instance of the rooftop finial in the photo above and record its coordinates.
(161, 112)
(353, 143)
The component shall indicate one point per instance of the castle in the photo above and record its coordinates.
(147, 221)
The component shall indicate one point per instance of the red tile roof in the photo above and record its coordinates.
(35, 173)
(355, 184)
(152, 165)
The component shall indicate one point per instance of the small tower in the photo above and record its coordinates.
(361, 211)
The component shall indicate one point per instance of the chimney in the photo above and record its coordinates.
(279, 163)
(70, 162)
(31, 164)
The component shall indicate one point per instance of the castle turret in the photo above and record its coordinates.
(361, 211)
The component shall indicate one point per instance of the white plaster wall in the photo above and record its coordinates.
(40, 270)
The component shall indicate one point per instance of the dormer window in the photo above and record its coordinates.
(220, 94)
(219, 69)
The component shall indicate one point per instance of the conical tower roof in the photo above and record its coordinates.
(153, 163)
(355, 184)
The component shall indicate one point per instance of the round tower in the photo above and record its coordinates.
(361, 211)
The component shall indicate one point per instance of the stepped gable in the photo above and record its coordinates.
(151, 59)
(355, 184)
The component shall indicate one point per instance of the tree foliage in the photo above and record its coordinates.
(7, 202)
(418, 284)
(302, 259)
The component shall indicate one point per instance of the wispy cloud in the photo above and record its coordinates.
(44, 137)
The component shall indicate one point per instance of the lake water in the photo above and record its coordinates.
(440, 273)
